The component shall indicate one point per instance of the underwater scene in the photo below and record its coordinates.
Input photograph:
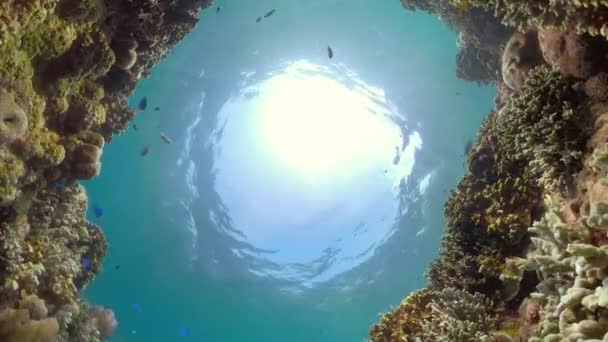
(303, 171)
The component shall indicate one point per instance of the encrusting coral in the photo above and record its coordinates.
(67, 68)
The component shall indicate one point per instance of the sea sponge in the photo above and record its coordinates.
(125, 52)
(574, 55)
(596, 87)
(521, 54)
(13, 119)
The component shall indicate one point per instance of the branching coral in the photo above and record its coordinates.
(540, 127)
(587, 16)
(446, 315)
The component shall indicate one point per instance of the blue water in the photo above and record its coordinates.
(301, 195)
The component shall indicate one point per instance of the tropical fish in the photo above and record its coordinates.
(134, 127)
(137, 307)
(165, 138)
(330, 52)
(59, 186)
(468, 147)
(86, 263)
(269, 13)
(184, 332)
(457, 93)
(258, 19)
(143, 103)
(97, 210)
(218, 9)
(157, 108)
(144, 150)
(117, 267)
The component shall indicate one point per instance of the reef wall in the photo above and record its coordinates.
(66, 70)
(524, 255)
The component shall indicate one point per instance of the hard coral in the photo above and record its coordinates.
(13, 119)
(521, 54)
(574, 55)
(404, 323)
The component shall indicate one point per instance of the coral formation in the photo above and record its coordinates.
(66, 70)
(521, 54)
(527, 228)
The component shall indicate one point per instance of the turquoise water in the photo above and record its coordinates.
(301, 195)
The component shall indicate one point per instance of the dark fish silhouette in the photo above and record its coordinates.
(117, 267)
(269, 13)
(330, 52)
(134, 127)
(144, 150)
(59, 186)
(143, 103)
(218, 9)
(184, 332)
(457, 93)
(258, 19)
(165, 138)
(157, 108)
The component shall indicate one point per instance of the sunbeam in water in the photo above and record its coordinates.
(307, 163)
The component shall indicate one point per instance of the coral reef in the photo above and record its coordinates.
(446, 315)
(480, 38)
(66, 70)
(527, 227)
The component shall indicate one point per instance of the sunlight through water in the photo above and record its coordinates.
(307, 163)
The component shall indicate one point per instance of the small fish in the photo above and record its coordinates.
(218, 9)
(184, 332)
(117, 267)
(258, 19)
(157, 108)
(134, 127)
(385, 171)
(269, 13)
(165, 138)
(86, 263)
(457, 93)
(137, 307)
(97, 210)
(330, 52)
(59, 186)
(144, 150)
(143, 103)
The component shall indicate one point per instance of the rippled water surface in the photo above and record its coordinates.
(301, 195)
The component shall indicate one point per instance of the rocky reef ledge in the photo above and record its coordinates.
(66, 70)
(524, 255)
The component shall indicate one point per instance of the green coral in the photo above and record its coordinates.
(587, 16)
(50, 39)
(538, 127)
(11, 169)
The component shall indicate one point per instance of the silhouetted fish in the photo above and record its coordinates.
(269, 13)
(165, 138)
(184, 332)
(143, 103)
(218, 9)
(117, 267)
(137, 307)
(59, 186)
(258, 19)
(86, 263)
(330, 52)
(134, 126)
(97, 210)
(157, 108)
(144, 150)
